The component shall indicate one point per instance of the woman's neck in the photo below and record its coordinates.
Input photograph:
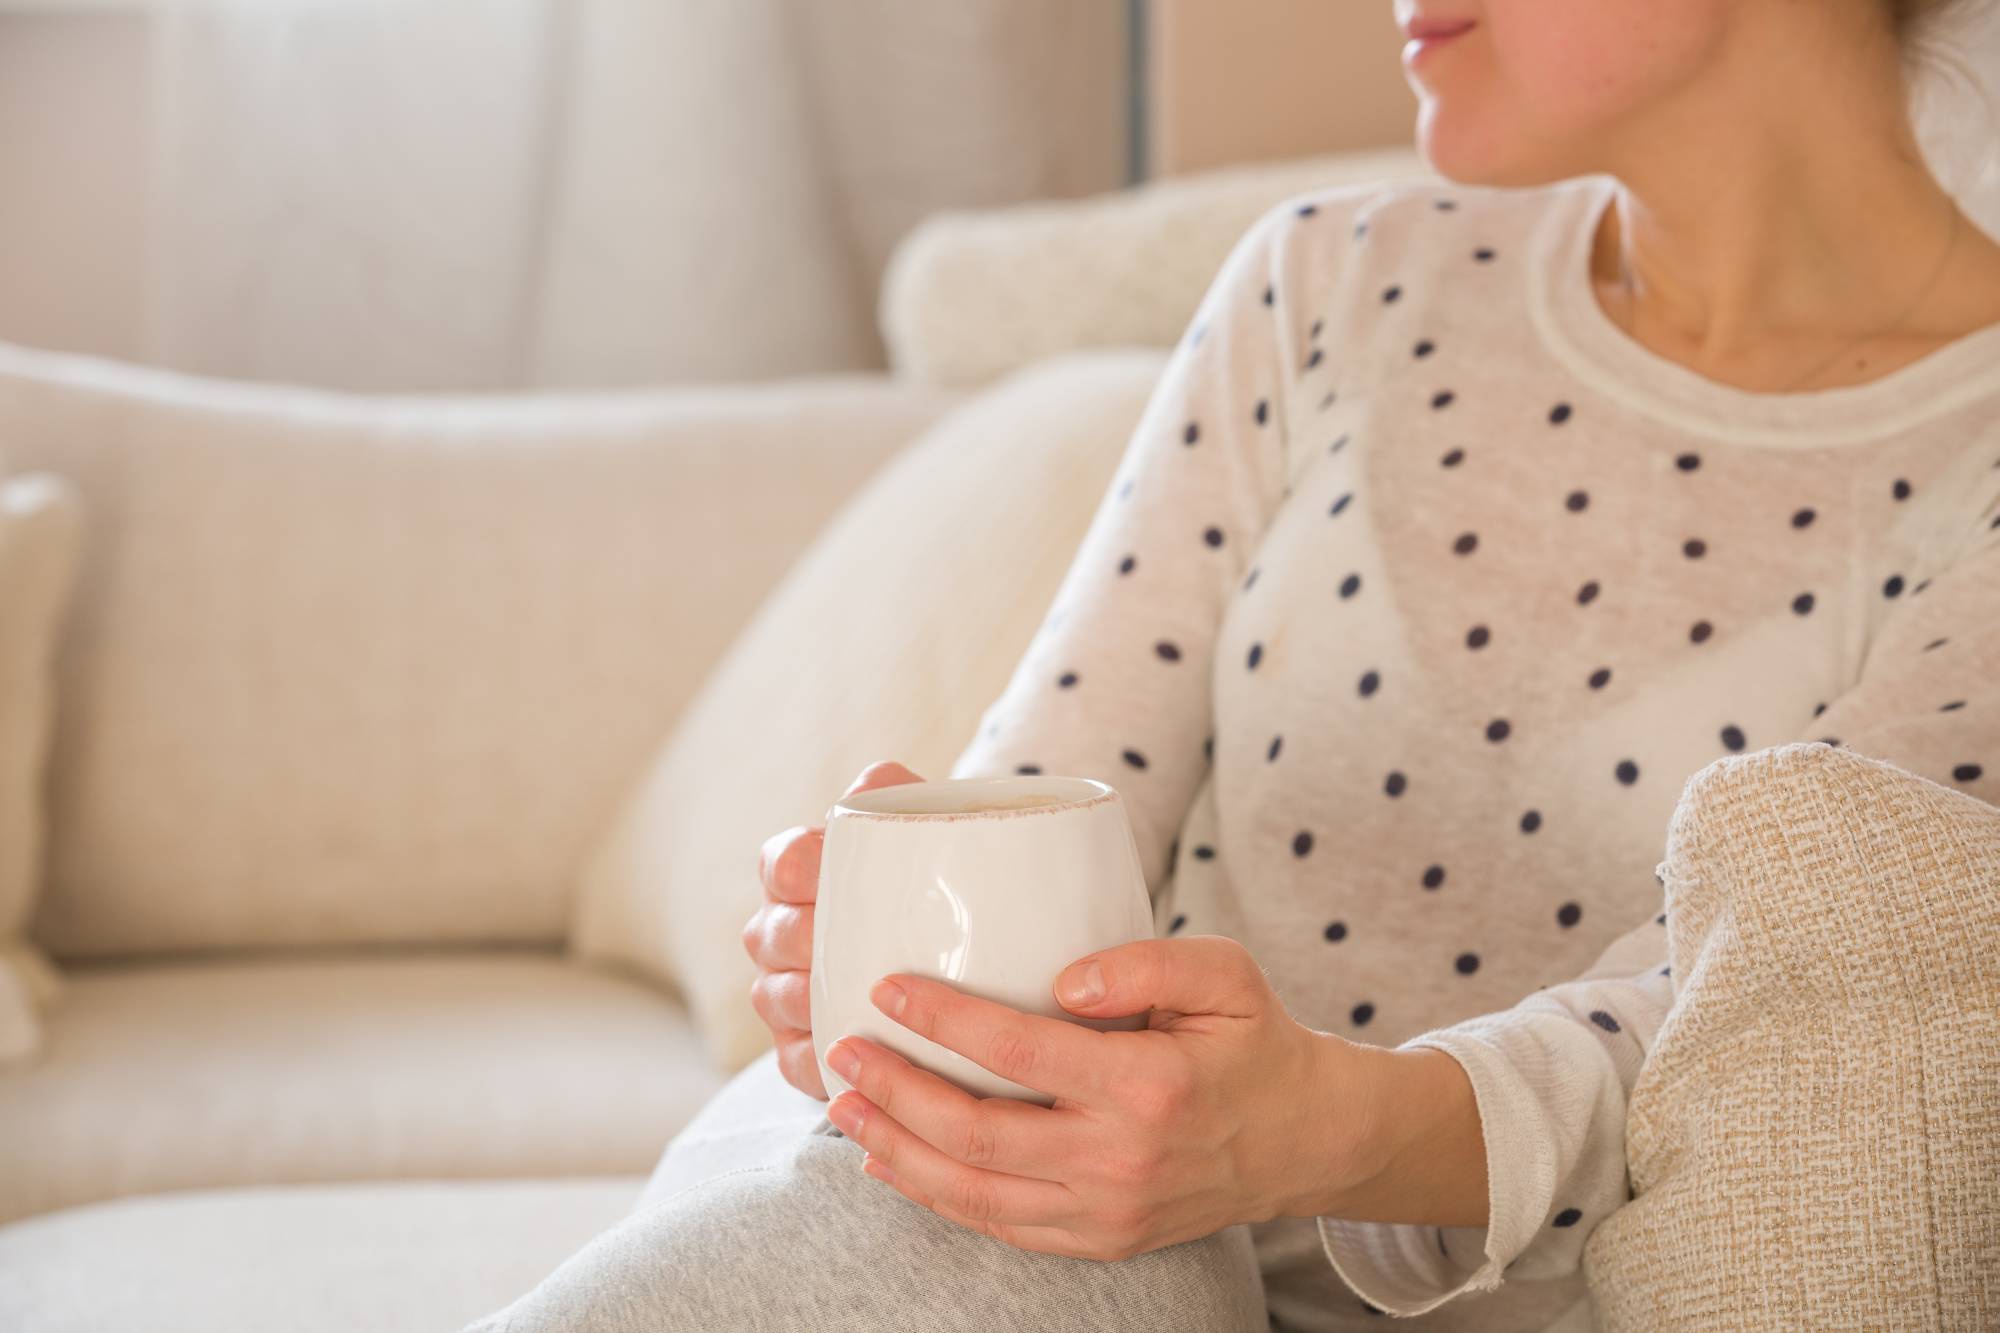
(1852, 318)
(1756, 245)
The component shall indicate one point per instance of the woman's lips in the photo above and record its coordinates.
(1426, 37)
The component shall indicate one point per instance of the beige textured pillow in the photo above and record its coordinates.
(889, 640)
(348, 669)
(40, 536)
(1814, 1140)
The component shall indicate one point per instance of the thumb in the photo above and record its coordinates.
(882, 773)
(1197, 974)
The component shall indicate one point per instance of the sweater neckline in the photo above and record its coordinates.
(1578, 332)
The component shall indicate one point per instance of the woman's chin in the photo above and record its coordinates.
(1465, 150)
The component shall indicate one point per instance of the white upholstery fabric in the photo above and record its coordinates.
(972, 295)
(889, 641)
(40, 542)
(396, 1257)
(369, 1065)
(348, 670)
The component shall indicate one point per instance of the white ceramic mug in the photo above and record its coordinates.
(994, 885)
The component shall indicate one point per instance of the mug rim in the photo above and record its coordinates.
(883, 802)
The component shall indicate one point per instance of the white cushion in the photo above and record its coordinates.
(350, 670)
(973, 294)
(240, 1071)
(401, 1257)
(889, 641)
(40, 542)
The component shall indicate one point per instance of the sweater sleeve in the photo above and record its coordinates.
(1116, 684)
(1552, 1074)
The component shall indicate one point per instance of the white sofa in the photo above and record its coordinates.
(384, 969)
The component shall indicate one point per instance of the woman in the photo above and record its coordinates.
(1464, 525)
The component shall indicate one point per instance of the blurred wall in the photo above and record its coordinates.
(72, 179)
(1256, 80)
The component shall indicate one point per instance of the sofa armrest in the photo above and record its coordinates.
(1814, 1138)
(970, 295)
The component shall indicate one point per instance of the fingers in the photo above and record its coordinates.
(976, 1193)
(1191, 974)
(800, 1065)
(998, 1133)
(779, 936)
(788, 862)
(1048, 1240)
(1051, 1055)
(883, 773)
(783, 1000)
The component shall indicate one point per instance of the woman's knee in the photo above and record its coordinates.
(812, 1242)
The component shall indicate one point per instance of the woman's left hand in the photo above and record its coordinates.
(1223, 1110)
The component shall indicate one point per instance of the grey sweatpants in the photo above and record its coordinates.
(759, 1216)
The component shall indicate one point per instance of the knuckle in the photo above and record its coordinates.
(1162, 1095)
(1133, 1166)
(977, 1143)
(977, 1200)
(1013, 1055)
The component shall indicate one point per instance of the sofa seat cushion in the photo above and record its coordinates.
(344, 1066)
(389, 1257)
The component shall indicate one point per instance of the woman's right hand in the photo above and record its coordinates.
(779, 936)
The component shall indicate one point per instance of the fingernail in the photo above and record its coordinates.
(889, 998)
(841, 1057)
(845, 1114)
(1085, 986)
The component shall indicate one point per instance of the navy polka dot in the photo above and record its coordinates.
(1361, 1014)
(1204, 852)
(1604, 1020)
(1568, 1217)
(1341, 503)
(1277, 742)
(1029, 769)
(1336, 931)
(1628, 772)
(1177, 923)
(1559, 414)
(1568, 915)
(1167, 651)
(1732, 738)
(1067, 680)
(1433, 877)
(1467, 964)
(1213, 536)
(1368, 683)
(1531, 821)
(1477, 636)
(1600, 678)
(1302, 843)
(1350, 585)
(1134, 758)
(1394, 784)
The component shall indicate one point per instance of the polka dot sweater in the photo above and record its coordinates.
(1420, 591)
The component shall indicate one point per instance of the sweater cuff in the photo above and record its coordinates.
(1409, 1269)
